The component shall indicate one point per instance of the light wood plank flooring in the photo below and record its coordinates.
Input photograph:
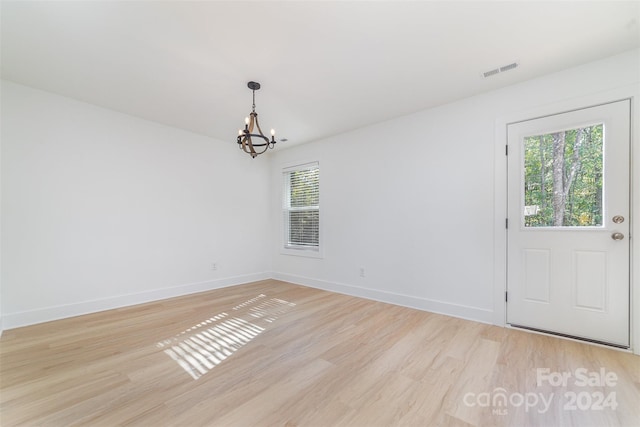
(275, 354)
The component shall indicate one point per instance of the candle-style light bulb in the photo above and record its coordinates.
(246, 120)
(273, 132)
(239, 132)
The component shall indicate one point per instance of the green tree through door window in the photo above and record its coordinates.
(563, 176)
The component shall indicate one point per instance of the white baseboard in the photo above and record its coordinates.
(434, 306)
(25, 318)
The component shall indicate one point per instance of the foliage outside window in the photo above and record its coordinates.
(301, 207)
(563, 178)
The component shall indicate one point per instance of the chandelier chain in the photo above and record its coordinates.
(253, 107)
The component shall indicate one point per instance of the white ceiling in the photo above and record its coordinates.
(325, 67)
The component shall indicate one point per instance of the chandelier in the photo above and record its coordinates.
(254, 143)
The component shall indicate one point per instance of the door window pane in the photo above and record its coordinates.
(563, 177)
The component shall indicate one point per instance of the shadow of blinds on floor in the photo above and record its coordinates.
(205, 345)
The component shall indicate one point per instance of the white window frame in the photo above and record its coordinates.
(286, 247)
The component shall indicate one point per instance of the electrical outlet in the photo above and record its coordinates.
(214, 266)
(361, 271)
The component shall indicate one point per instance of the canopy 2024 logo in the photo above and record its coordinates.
(500, 400)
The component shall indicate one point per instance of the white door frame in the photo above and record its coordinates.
(500, 197)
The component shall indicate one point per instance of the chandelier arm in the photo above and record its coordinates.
(242, 143)
(249, 144)
(253, 118)
(260, 130)
(266, 147)
(246, 143)
(256, 144)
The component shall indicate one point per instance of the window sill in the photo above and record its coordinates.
(302, 252)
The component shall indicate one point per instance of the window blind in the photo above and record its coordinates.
(301, 207)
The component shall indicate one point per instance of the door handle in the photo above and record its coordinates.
(617, 236)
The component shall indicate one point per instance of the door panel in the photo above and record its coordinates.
(537, 274)
(568, 194)
(589, 280)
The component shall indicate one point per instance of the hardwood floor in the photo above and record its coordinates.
(272, 353)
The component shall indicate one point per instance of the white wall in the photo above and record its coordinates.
(1, 204)
(413, 200)
(102, 210)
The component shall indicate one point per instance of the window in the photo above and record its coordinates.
(301, 208)
(563, 178)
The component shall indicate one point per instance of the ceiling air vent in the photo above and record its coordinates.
(499, 70)
(491, 72)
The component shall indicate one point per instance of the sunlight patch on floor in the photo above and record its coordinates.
(203, 346)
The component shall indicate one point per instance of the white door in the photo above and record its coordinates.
(568, 223)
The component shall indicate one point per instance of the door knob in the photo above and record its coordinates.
(617, 236)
